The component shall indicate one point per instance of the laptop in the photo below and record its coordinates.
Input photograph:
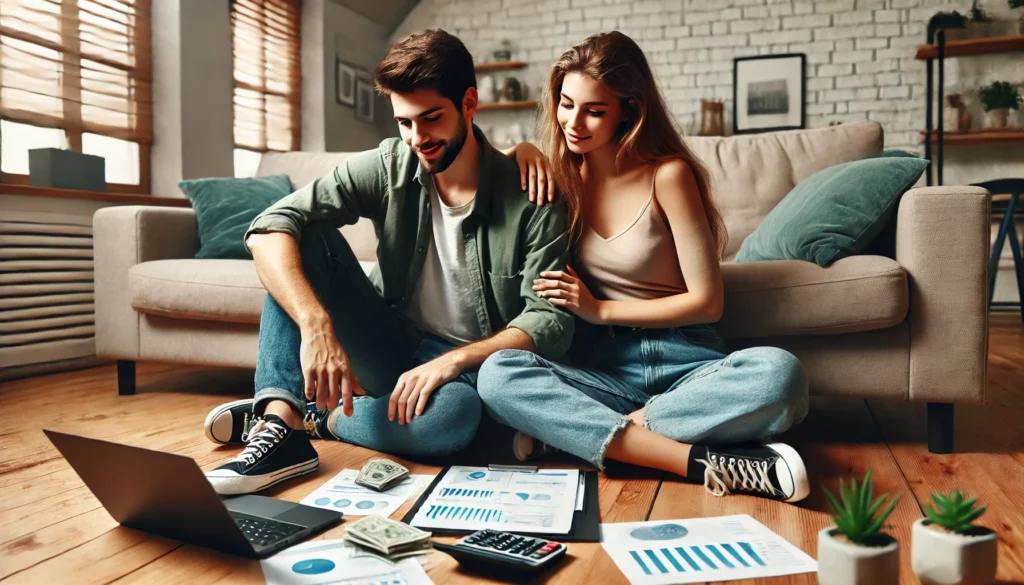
(168, 494)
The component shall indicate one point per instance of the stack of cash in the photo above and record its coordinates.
(381, 474)
(388, 537)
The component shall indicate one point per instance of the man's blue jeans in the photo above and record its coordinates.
(690, 387)
(381, 345)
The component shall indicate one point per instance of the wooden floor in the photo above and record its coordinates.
(52, 530)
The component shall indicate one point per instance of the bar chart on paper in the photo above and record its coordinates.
(700, 550)
(473, 498)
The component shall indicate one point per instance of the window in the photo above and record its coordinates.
(265, 45)
(77, 74)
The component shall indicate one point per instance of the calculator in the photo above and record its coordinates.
(505, 550)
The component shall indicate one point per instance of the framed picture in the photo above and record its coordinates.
(364, 99)
(769, 93)
(344, 83)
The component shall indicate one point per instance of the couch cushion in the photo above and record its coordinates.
(836, 212)
(305, 167)
(213, 290)
(793, 297)
(751, 173)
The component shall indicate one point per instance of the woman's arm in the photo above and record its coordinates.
(677, 193)
(534, 171)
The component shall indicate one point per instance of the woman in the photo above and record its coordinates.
(649, 380)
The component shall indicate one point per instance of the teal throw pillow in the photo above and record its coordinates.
(226, 206)
(836, 212)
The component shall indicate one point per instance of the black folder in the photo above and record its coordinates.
(586, 523)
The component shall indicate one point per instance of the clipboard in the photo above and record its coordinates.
(586, 523)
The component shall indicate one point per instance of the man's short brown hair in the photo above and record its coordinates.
(431, 59)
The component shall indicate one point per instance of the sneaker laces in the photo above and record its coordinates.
(309, 421)
(721, 478)
(263, 435)
(248, 422)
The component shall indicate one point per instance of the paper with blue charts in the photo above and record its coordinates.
(331, 562)
(725, 548)
(474, 498)
(341, 494)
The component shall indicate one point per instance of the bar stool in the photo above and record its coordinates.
(1008, 191)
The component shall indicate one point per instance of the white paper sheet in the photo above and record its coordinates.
(330, 562)
(473, 498)
(703, 549)
(341, 494)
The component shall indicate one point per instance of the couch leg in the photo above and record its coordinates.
(125, 377)
(940, 427)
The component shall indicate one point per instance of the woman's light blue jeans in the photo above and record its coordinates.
(691, 388)
(381, 344)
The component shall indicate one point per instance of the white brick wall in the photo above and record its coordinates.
(860, 55)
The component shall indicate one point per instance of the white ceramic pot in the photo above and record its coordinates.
(997, 118)
(841, 563)
(939, 557)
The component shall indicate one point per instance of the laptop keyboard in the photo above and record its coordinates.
(264, 532)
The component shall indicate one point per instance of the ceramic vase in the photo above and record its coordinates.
(941, 557)
(844, 563)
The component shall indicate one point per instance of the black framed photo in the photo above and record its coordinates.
(769, 93)
(365, 98)
(344, 83)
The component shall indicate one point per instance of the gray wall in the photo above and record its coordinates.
(355, 39)
(192, 89)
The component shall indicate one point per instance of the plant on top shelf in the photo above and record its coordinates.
(948, 548)
(954, 513)
(866, 554)
(997, 99)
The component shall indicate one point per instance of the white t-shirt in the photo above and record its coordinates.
(443, 301)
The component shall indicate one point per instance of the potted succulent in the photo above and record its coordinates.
(997, 100)
(947, 549)
(856, 551)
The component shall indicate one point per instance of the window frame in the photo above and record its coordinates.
(141, 43)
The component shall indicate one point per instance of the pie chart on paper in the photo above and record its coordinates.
(313, 566)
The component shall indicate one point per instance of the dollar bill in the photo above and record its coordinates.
(386, 536)
(381, 474)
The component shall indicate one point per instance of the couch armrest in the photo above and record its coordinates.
(942, 240)
(124, 236)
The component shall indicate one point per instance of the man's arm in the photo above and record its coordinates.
(352, 190)
(415, 386)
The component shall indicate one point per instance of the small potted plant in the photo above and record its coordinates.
(947, 549)
(997, 100)
(856, 551)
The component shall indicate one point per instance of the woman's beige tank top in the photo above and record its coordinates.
(638, 263)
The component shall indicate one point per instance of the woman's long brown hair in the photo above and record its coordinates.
(648, 136)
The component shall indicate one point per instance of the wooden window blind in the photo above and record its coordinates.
(265, 45)
(84, 66)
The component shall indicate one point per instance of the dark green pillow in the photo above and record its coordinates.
(226, 206)
(834, 213)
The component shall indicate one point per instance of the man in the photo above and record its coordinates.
(460, 245)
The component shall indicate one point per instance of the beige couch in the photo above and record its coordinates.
(911, 327)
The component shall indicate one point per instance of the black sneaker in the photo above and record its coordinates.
(229, 423)
(525, 447)
(273, 453)
(773, 470)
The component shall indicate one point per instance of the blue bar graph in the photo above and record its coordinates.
(466, 493)
(465, 513)
(719, 556)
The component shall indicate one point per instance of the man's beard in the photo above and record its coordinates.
(449, 150)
